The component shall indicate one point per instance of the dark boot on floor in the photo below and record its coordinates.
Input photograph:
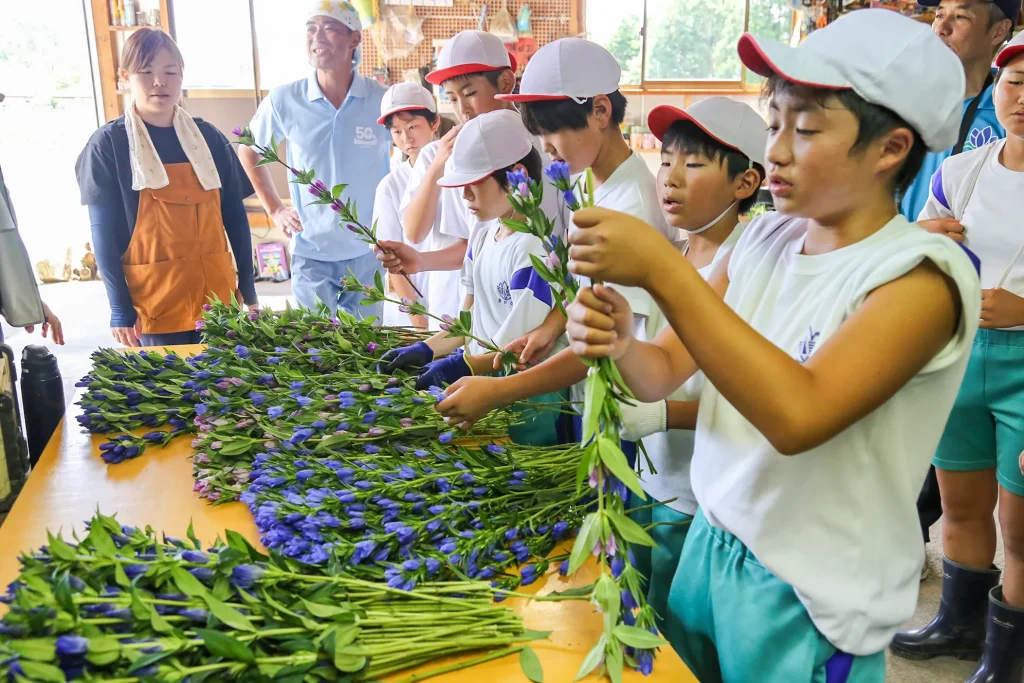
(1003, 661)
(958, 630)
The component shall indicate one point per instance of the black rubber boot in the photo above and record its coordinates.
(958, 630)
(1003, 661)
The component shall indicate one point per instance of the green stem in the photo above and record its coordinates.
(463, 665)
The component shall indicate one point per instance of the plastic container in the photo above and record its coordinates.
(42, 392)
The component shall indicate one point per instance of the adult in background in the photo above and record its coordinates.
(164, 193)
(974, 30)
(329, 120)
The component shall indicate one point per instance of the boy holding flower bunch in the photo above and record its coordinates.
(505, 294)
(832, 363)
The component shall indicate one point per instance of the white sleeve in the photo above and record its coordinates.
(938, 205)
(265, 123)
(532, 297)
(956, 263)
(385, 213)
(466, 275)
(416, 175)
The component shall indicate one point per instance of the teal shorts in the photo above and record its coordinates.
(733, 621)
(658, 565)
(986, 428)
(542, 424)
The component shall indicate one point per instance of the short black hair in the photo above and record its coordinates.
(873, 120)
(430, 116)
(531, 162)
(492, 75)
(688, 138)
(995, 15)
(551, 116)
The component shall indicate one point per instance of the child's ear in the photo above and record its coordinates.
(602, 111)
(747, 184)
(436, 124)
(506, 82)
(896, 146)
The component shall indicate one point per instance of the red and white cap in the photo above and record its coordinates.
(568, 69)
(1013, 49)
(488, 143)
(470, 52)
(405, 97)
(888, 59)
(731, 123)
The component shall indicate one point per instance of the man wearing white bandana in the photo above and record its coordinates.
(164, 193)
(329, 120)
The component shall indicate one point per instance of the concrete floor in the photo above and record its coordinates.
(82, 308)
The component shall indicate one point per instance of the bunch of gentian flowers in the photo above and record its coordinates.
(122, 606)
(407, 514)
(608, 531)
(346, 210)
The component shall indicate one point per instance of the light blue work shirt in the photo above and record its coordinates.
(343, 146)
(984, 130)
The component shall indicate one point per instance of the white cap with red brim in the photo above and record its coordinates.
(568, 69)
(407, 96)
(470, 52)
(1013, 49)
(888, 59)
(488, 143)
(731, 123)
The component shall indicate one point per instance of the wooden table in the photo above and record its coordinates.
(71, 481)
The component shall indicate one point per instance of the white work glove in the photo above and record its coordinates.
(643, 419)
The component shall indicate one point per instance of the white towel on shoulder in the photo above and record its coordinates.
(147, 168)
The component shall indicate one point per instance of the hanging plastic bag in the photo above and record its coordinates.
(503, 25)
(398, 33)
(523, 25)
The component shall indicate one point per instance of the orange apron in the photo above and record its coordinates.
(178, 254)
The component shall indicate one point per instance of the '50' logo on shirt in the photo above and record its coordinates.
(366, 136)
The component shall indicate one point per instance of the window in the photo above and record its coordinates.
(281, 37)
(684, 43)
(216, 41)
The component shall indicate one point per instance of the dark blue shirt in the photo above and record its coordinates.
(105, 181)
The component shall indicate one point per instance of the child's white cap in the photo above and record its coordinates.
(888, 59)
(731, 123)
(1013, 49)
(405, 97)
(470, 52)
(488, 143)
(568, 68)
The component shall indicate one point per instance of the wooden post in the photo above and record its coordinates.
(106, 59)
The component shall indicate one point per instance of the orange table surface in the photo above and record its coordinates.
(71, 481)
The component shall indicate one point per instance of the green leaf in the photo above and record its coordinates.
(141, 610)
(578, 592)
(530, 664)
(337, 190)
(120, 576)
(228, 615)
(159, 624)
(629, 530)
(615, 460)
(637, 637)
(36, 649)
(586, 463)
(37, 671)
(62, 594)
(60, 549)
(593, 659)
(100, 540)
(348, 663)
(587, 538)
(595, 391)
(151, 658)
(223, 645)
(530, 634)
(238, 446)
(466, 320)
(240, 542)
(613, 662)
(191, 534)
(103, 650)
(323, 611)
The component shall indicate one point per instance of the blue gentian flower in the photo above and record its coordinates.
(242, 351)
(528, 574)
(305, 475)
(558, 171)
(246, 575)
(559, 529)
(195, 614)
(295, 386)
(275, 411)
(303, 401)
(570, 197)
(446, 437)
(196, 556)
(618, 565)
(273, 360)
(370, 417)
(134, 570)
(72, 646)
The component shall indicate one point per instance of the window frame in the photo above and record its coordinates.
(700, 86)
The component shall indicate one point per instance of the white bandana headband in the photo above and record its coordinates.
(344, 12)
(147, 168)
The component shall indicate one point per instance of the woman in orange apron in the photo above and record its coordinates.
(164, 193)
